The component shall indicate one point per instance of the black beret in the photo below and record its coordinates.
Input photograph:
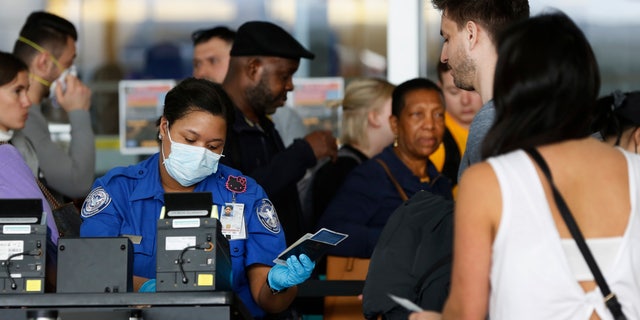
(261, 38)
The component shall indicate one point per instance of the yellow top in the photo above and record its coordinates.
(460, 135)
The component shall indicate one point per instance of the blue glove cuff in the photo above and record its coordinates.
(148, 286)
(274, 291)
(273, 285)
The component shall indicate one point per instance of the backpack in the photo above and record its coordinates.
(412, 258)
(305, 190)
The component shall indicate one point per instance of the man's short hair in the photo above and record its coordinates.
(46, 30)
(204, 35)
(493, 15)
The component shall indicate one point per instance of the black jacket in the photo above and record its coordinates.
(260, 153)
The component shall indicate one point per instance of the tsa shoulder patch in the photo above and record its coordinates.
(95, 202)
(268, 216)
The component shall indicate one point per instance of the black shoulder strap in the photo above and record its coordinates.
(610, 298)
(348, 153)
(452, 157)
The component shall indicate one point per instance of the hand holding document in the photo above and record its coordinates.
(313, 245)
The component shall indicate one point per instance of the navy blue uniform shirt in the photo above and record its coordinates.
(127, 201)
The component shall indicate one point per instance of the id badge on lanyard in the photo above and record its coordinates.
(232, 213)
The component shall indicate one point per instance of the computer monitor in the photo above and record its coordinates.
(21, 211)
(23, 246)
(188, 205)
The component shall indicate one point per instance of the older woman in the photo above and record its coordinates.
(377, 187)
(127, 201)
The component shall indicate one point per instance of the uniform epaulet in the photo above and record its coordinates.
(133, 172)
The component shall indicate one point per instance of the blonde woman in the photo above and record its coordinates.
(365, 131)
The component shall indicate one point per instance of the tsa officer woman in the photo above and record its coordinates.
(127, 200)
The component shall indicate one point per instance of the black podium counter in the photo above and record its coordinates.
(127, 306)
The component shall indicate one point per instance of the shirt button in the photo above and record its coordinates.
(235, 249)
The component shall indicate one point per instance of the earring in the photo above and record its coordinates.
(395, 142)
(159, 136)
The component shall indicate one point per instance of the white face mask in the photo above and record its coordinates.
(62, 80)
(189, 165)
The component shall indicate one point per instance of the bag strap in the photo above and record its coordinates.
(403, 195)
(610, 298)
(47, 194)
(349, 153)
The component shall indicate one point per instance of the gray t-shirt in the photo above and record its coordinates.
(71, 172)
(480, 125)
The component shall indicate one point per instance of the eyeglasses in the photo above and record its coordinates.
(41, 50)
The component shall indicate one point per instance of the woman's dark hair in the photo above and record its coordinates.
(616, 113)
(401, 91)
(546, 85)
(197, 95)
(10, 66)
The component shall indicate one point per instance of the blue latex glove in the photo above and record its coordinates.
(148, 286)
(296, 272)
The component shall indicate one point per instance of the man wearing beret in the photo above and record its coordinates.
(264, 58)
(211, 48)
